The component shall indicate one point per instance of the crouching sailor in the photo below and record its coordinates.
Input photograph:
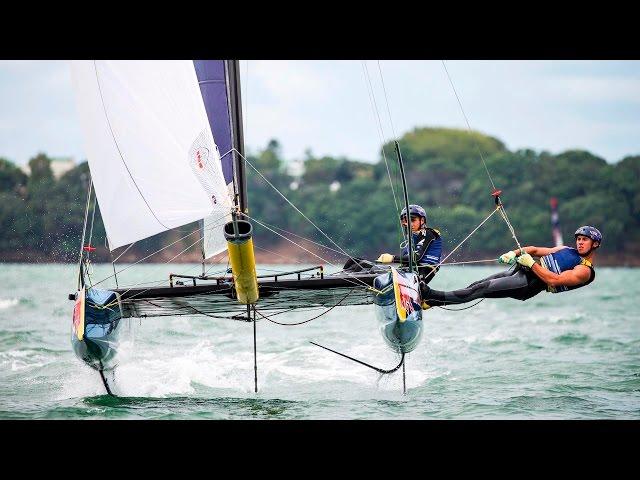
(426, 241)
(560, 269)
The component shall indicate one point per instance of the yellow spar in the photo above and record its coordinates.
(243, 263)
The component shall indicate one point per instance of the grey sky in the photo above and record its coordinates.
(325, 105)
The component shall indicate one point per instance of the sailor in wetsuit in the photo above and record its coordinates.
(560, 269)
(427, 244)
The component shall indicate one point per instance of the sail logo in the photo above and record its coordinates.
(406, 295)
(200, 156)
(407, 298)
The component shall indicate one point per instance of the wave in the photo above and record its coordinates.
(8, 303)
(572, 337)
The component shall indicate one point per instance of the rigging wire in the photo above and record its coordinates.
(130, 287)
(376, 113)
(503, 212)
(245, 95)
(164, 248)
(469, 261)
(84, 230)
(303, 238)
(125, 251)
(393, 130)
(296, 208)
(87, 259)
(315, 255)
(277, 255)
(468, 126)
(433, 270)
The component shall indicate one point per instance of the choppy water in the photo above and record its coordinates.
(568, 356)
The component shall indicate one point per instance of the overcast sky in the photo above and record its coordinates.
(326, 106)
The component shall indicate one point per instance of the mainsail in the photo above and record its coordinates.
(216, 86)
(154, 162)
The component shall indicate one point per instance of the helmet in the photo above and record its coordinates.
(414, 210)
(592, 232)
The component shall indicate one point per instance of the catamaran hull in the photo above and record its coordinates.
(96, 331)
(398, 311)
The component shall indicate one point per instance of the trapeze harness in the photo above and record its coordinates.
(428, 250)
(519, 282)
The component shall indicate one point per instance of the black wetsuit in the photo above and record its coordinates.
(519, 283)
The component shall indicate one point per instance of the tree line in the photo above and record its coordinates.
(356, 203)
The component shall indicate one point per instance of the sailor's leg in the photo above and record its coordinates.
(426, 273)
(517, 285)
(506, 273)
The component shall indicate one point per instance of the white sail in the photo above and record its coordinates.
(153, 160)
(213, 235)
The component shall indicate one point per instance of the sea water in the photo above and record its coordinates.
(574, 355)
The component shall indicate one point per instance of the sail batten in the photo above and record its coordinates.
(152, 155)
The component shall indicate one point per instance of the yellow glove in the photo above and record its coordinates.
(508, 258)
(385, 258)
(526, 260)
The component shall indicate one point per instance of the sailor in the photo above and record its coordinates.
(426, 242)
(560, 269)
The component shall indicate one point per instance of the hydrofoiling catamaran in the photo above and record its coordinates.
(165, 148)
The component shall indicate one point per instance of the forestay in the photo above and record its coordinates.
(153, 160)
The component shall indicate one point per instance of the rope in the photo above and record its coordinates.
(465, 239)
(460, 309)
(469, 261)
(296, 208)
(309, 251)
(374, 106)
(130, 287)
(468, 126)
(303, 238)
(125, 251)
(386, 98)
(308, 320)
(84, 230)
(87, 260)
(503, 212)
(158, 251)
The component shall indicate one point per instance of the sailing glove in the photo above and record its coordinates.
(507, 258)
(526, 260)
(385, 258)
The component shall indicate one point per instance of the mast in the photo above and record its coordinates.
(237, 135)
(406, 202)
(238, 231)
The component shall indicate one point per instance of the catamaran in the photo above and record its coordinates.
(165, 148)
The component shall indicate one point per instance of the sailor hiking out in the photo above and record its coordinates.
(560, 269)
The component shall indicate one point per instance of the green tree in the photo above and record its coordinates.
(11, 177)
